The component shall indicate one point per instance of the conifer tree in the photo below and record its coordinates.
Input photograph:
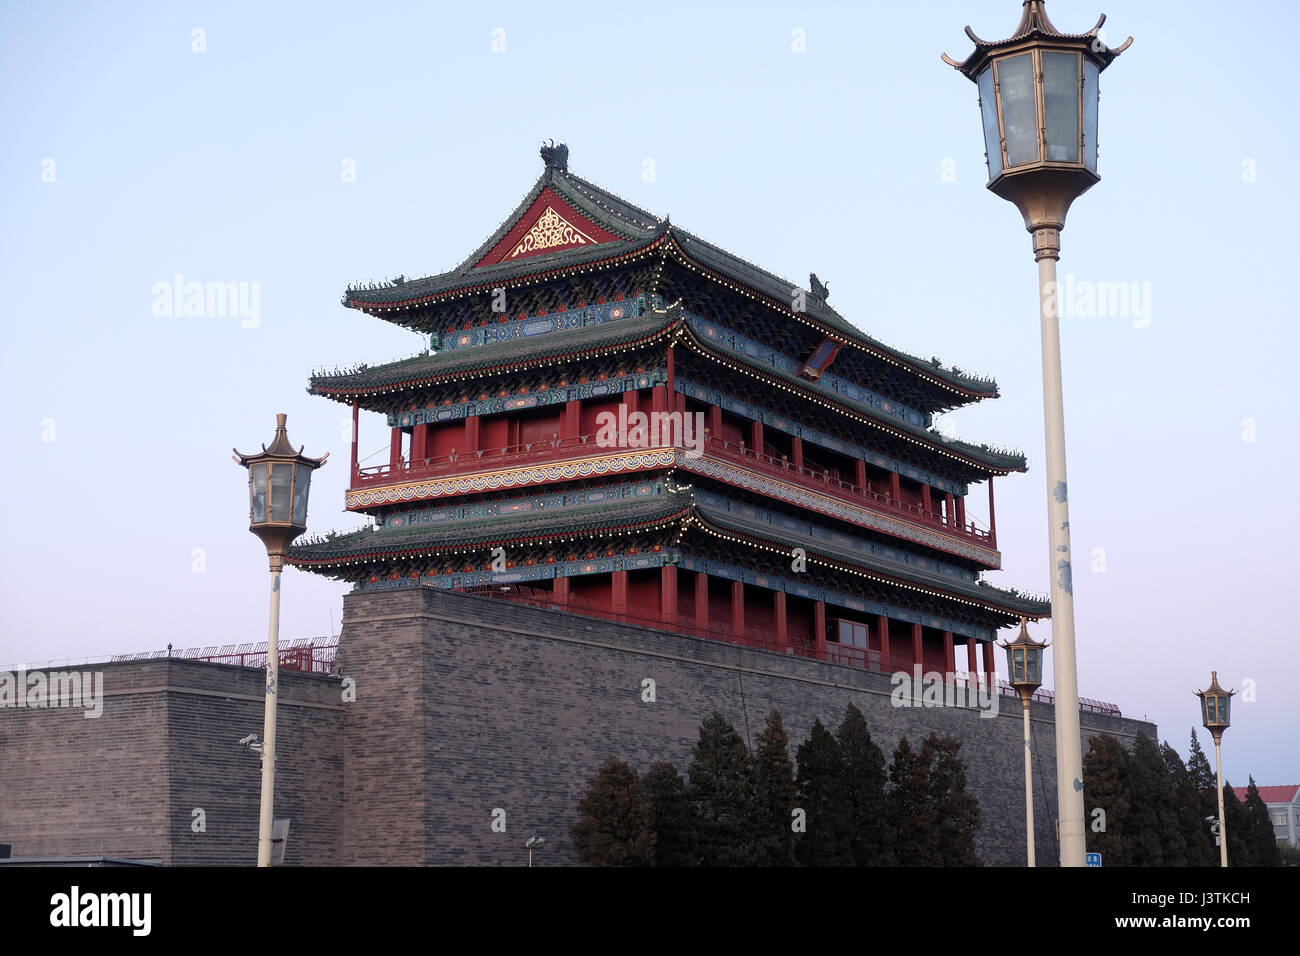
(775, 797)
(1259, 830)
(1195, 830)
(1154, 837)
(722, 789)
(911, 812)
(676, 840)
(1203, 780)
(956, 812)
(614, 825)
(1105, 788)
(870, 841)
(821, 796)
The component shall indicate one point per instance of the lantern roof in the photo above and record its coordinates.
(1023, 639)
(1035, 25)
(1214, 688)
(281, 449)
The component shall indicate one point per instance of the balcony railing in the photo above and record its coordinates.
(871, 497)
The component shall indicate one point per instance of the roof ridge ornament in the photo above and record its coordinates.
(555, 157)
(820, 290)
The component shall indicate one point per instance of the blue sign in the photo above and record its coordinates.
(1092, 859)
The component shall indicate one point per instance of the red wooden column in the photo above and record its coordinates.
(895, 491)
(961, 513)
(618, 592)
(715, 422)
(796, 451)
(926, 502)
(972, 663)
(658, 399)
(756, 437)
(560, 593)
(988, 663)
(819, 630)
(572, 419)
(949, 653)
(917, 656)
(860, 473)
(993, 521)
(738, 607)
(701, 600)
(356, 429)
(395, 449)
(882, 624)
(632, 399)
(668, 594)
(782, 631)
(951, 510)
(471, 434)
(419, 444)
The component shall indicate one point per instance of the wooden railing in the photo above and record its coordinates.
(558, 449)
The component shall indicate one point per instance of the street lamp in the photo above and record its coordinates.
(533, 843)
(1025, 665)
(1215, 705)
(1038, 93)
(279, 479)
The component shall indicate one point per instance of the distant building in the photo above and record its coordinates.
(1283, 807)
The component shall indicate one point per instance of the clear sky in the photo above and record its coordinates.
(131, 157)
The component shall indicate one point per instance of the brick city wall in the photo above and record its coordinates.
(125, 784)
(467, 705)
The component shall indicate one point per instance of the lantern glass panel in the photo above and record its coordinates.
(1035, 666)
(1019, 108)
(281, 475)
(1211, 712)
(1224, 701)
(257, 491)
(1061, 102)
(301, 487)
(989, 113)
(1017, 665)
(1091, 92)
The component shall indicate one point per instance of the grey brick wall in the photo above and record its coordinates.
(125, 784)
(518, 707)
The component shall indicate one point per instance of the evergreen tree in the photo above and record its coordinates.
(722, 789)
(1105, 787)
(676, 840)
(775, 797)
(826, 841)
(1196, 832)
(956, 812)
(1154, 836)
(614, 825)
(870, 840)
(1203, 781)
(1259, 830)
(911, 812)
(1237, 822)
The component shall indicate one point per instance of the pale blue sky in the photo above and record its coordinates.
(225, 165)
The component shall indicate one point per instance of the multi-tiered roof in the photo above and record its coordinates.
(580, 294)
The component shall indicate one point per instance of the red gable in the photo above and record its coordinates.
(549, 225)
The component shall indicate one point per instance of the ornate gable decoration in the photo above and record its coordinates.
(550, 232)
(549, 225)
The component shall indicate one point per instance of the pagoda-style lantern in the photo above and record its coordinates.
(1215, 706)
(1038, 95)
(279, 480)
(1025, 667)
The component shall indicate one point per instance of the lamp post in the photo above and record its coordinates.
(1215, 704)
(1025, 665)
(279, 480)
(1038, 93)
